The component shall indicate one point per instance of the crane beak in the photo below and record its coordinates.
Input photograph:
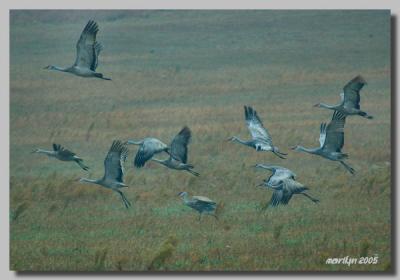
(229, 139)
(293, 148)
(316, 105)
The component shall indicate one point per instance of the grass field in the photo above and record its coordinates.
(198, 68)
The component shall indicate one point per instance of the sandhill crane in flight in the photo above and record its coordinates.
(113, 171)
(148, 148)
(87, 54)
(60, 153)
(278, 174)
(331, 141)
(261, 140)
(201, 204)
(179, 151)
(350, 99)
(284, 191)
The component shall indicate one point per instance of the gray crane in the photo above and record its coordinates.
(350, 99)
(201, 204)
(113, 171)
(284, 191)
(60, 153)
(261, 140)
(87, 54)
(179, 151)
(331, 141)
(278, 174)
(148, 148)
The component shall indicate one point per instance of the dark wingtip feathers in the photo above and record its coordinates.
(91, 27)
(185, 131)
(119, 147)
(138, 162)
(338, 116)
(246, 112)
(249, 112)
(359, 79)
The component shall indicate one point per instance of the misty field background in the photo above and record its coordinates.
(198, 68)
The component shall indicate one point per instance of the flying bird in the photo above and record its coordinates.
(60, 153)
(278, 174)
(179, 151)
(113, 171)
(331, 141)
(284, 191)
(201, 204)
(350, 99)
(148, 148)
(87, 54)
(261, 140)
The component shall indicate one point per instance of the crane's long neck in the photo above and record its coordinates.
(259, 165)
(92, 181)
(236, 139)
(48, 153)
(62, 69)
(133, 142)
(327, 106)
(307, 150)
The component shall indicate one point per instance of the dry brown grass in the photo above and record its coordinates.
(199, 69)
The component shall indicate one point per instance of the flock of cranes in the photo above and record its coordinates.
(282, 180)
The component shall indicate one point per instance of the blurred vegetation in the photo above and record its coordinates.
(198, 68)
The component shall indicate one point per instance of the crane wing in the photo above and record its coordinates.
(334, 139)
(62, 151)
(292, 186)
(276, 198)
(322, 134)
(283, 173)
(97, 49)
(287, 195)
(114, 162)
(279, 174)
(143, 154)
(203, 199)
(255, 126)
(178, 147)
(352, 92)
(87, 49)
